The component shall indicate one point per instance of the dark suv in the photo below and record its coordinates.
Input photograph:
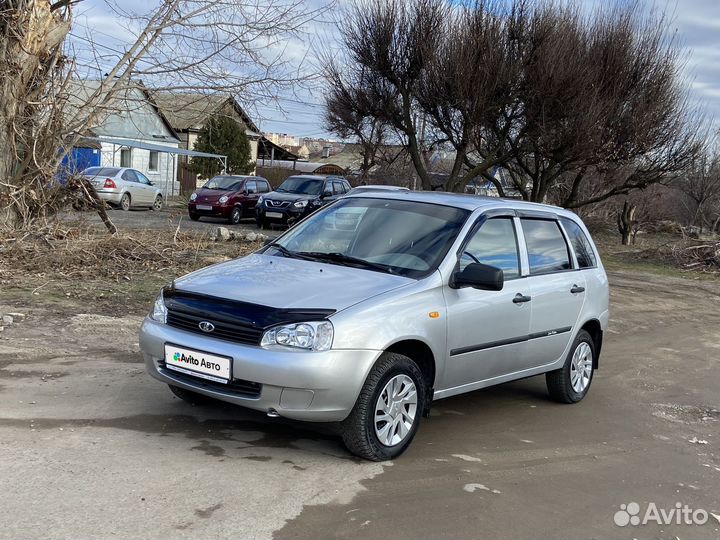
(297, 197)
(228, 197)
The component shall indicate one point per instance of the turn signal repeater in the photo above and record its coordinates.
(434, 314)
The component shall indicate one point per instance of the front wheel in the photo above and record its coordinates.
(261, 223)
(194, 217)
(387, 412)
(571, 383)
(235, 216)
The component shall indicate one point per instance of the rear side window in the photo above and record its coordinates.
(547, 250)
(580, 243)
(495, 244)
(129, 176)
(251, 187)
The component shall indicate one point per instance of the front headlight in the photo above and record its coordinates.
(193, 196)
(315, 336)
(261, 198)
(223, 199)
(159, 311)
(300, 204)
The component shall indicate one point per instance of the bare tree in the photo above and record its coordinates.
(576, 108)
(701, 189)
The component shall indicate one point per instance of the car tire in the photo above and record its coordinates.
(362, 430)
(261, 223)
(158, 204)
(235, 216)
(571, 383)
(125, 202)
(188, 396)
(194, 217)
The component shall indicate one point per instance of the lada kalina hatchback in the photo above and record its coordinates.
(373, 307)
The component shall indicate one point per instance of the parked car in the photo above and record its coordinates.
(375, 187)
(124, 188)
(297, 197)
(228, 197)
(419, 296)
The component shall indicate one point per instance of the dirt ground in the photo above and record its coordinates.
(91, 447)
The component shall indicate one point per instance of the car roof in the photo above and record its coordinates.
(462, 200)
(310, 176)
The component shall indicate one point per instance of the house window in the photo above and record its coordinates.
(153, 162)
(126, 157)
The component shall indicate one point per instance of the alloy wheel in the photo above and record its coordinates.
(396, 410)
(581, 367)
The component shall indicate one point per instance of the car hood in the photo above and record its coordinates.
(292, 197)
(283, 282)
(211, 195)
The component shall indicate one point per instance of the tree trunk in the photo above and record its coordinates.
(626, 221)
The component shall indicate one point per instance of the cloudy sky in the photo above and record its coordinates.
(696, 24)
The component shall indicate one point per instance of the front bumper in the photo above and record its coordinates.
(302, 385)
(290, 214)
(218, 210)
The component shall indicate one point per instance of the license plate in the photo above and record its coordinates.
(203, 207)
(198, 363)
(277, 215)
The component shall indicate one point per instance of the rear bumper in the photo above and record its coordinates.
(110, 196)
(303, 385)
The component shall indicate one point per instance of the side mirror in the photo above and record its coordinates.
(326, 193)
(478, 276)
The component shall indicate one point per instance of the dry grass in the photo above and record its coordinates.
(78, 264)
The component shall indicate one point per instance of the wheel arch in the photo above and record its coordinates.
(594, 328)
(420, 353)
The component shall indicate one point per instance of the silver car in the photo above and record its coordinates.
(373, 307)
(124, 188)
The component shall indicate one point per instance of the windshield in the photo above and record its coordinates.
(101, 171)
(228, 183)
(304, 186)
(394, 236)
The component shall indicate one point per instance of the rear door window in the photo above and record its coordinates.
(546, 246)
(263, 186)
(580, 243)
(338, 188)
(251, 187)
(495, 243)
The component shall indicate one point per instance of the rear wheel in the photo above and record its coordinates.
(387, 412)
(571, 383)
(235, 215)
(188, 396)
(158, 204)
(125, 202)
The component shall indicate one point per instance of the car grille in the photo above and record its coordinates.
(229, 331)
(277, 204)
(239, 387)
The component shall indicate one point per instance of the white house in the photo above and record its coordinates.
(132, 132)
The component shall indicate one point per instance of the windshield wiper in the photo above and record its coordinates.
(291, 254)
(281, 190)
(346, 260)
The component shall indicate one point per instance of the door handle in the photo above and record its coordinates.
(576, 289)
(521, 299)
